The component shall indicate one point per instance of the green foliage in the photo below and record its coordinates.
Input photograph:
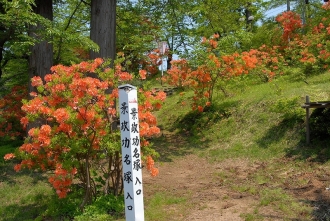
(266, 34)
(7, 146)
(240, 40)
(195, 122)
(67, 207)
(106, 207)
(14, 73)
(289, 108)
(71, 32)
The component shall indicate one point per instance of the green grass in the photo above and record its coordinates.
(257, 122)
(163, 207)
(25, 196)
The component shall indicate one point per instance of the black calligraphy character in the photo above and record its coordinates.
(138, 192)
(136, 141)
(136, 153)
(130, 207)
(124, 126)
(128, 177)
(129, 196)
(125, 142)
(124, 108)
(127, 161)
(137, 165)
(137, 181)
(134, 113)
(135, 128)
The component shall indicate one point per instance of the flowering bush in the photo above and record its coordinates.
(267, 61)
(290, 23)
(216, 67)
(311, 50)
(77, 136)
(11, 113)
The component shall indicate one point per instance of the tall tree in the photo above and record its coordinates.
(103, 28)
(41, 57)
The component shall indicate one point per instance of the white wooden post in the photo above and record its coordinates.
(131, 153)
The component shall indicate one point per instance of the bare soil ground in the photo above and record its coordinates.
(211, 197)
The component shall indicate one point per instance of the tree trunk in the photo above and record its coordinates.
(103, 28)
(41, 58)
(103, 32)
(169, 59)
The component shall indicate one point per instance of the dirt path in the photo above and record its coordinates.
(212, 198)
(195, 179)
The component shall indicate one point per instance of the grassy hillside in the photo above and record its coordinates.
(263, 124)
(257, 120)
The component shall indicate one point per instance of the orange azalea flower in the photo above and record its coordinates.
(36, 81)
(32, 132)
(33, 94)
(9, 156)
(161, 95)
(143, 74)
(17, 167)
(61, 115)
(125, 76)
(48, 77)
(154, 172)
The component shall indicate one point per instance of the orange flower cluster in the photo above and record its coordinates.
(143, 74)
(62, 180)
(11, 113)
(179, 74)
(326, 6)
(152, 61)
(76, 112)
(203, 78)
(290, 22)
(149, 101)
(150, 166)
(312, 48)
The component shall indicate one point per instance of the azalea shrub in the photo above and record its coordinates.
(211, 66)
(76, 135)
(306, 46)
(267, 62)
(291, 24)
(214, 68)
(11, 113)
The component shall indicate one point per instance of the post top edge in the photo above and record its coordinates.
(125, 86)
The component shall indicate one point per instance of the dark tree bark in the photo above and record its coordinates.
(41, 58)
(169, 59)
(103, 33)
(103, 28)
